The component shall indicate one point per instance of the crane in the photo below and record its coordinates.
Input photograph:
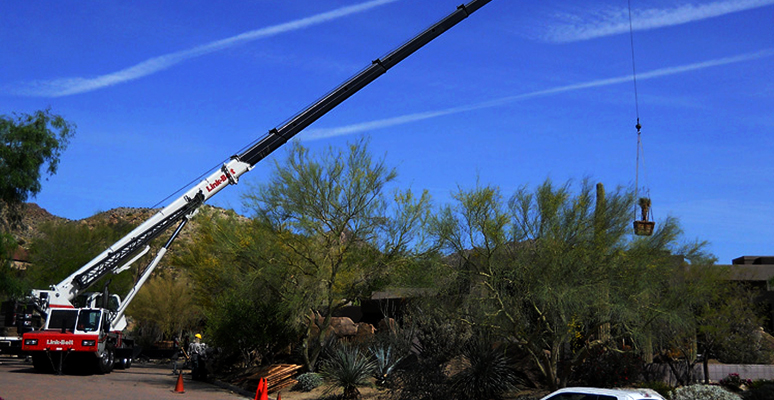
(87, 327)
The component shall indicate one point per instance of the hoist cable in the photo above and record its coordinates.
(637, 113)
(634, 67)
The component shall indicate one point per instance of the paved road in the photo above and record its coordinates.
(19, 381)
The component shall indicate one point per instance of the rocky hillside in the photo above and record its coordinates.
(35, 217)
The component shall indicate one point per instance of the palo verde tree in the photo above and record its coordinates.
(30, 147)
(551, 268)
(339, 232)
(164, 308)
(250, 311)
(64, 247)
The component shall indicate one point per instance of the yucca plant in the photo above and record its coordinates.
(347, 367)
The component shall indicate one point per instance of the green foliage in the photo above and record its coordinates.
(733, 382)
(64, 247)
(245, 323)
(759, 390)
(338, 235)
(557, 269)
(438, 340)
(12, 284)
(660, 387)
(756, 383)
(347, 367)
(27, 143)
(488, 373)
(702, 392)
(609, 368)
(224, 251)
(730, 326)
(309, 381)
(165, 305)
(246, 298)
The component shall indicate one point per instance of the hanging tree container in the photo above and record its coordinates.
(644, 227)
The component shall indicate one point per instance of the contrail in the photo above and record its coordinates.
(322, 133)
(616, 21)
(69, 86)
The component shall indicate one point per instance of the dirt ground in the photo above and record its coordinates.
(319, 393)
(370, 393)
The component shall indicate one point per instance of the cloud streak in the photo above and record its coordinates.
(614, 21)
(69, 86)
(322, 133)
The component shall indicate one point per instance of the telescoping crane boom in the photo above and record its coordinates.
(92, 334)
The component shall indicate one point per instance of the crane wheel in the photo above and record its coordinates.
(105, 363)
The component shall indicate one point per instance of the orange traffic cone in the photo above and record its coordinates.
(179, 385)
(260, 390)
(265, 391)
(279, 397)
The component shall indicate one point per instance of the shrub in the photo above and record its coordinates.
(734, 382)
(488, 374)
(702, 392)
(438, 340)
(759, 391)
(660, 387)
(610, 368)
(759, 382)
(309, 381)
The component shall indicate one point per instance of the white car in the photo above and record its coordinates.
(587, 393)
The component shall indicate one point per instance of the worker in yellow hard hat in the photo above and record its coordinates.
(197, 352)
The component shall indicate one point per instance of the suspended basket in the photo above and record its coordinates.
(644, 227)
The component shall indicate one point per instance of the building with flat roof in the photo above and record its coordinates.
(758, 272)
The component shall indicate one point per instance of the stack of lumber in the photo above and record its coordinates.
(278, 376)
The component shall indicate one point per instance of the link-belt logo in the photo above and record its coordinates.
(223, 179)
(60, 342)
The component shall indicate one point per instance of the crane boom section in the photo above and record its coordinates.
(185, 206)
(279, 136)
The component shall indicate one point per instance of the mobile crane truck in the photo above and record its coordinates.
(86, 329)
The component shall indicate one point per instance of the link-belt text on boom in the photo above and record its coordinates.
(223, 178)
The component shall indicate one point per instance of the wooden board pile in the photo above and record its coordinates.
(278, 376)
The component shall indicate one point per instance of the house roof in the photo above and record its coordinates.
(752, 268)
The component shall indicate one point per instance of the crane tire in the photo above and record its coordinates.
(105, 362)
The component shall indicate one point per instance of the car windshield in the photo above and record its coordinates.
(62, 319)
(88, 320)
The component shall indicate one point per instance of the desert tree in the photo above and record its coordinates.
(555, 269)
(30, 148)
(342, 228)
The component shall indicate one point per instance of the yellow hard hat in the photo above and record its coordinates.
(198, 336)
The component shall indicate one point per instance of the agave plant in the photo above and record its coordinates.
(489, 374)
(347, 367)
(385, 359)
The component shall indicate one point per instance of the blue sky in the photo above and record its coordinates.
(517, 93)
